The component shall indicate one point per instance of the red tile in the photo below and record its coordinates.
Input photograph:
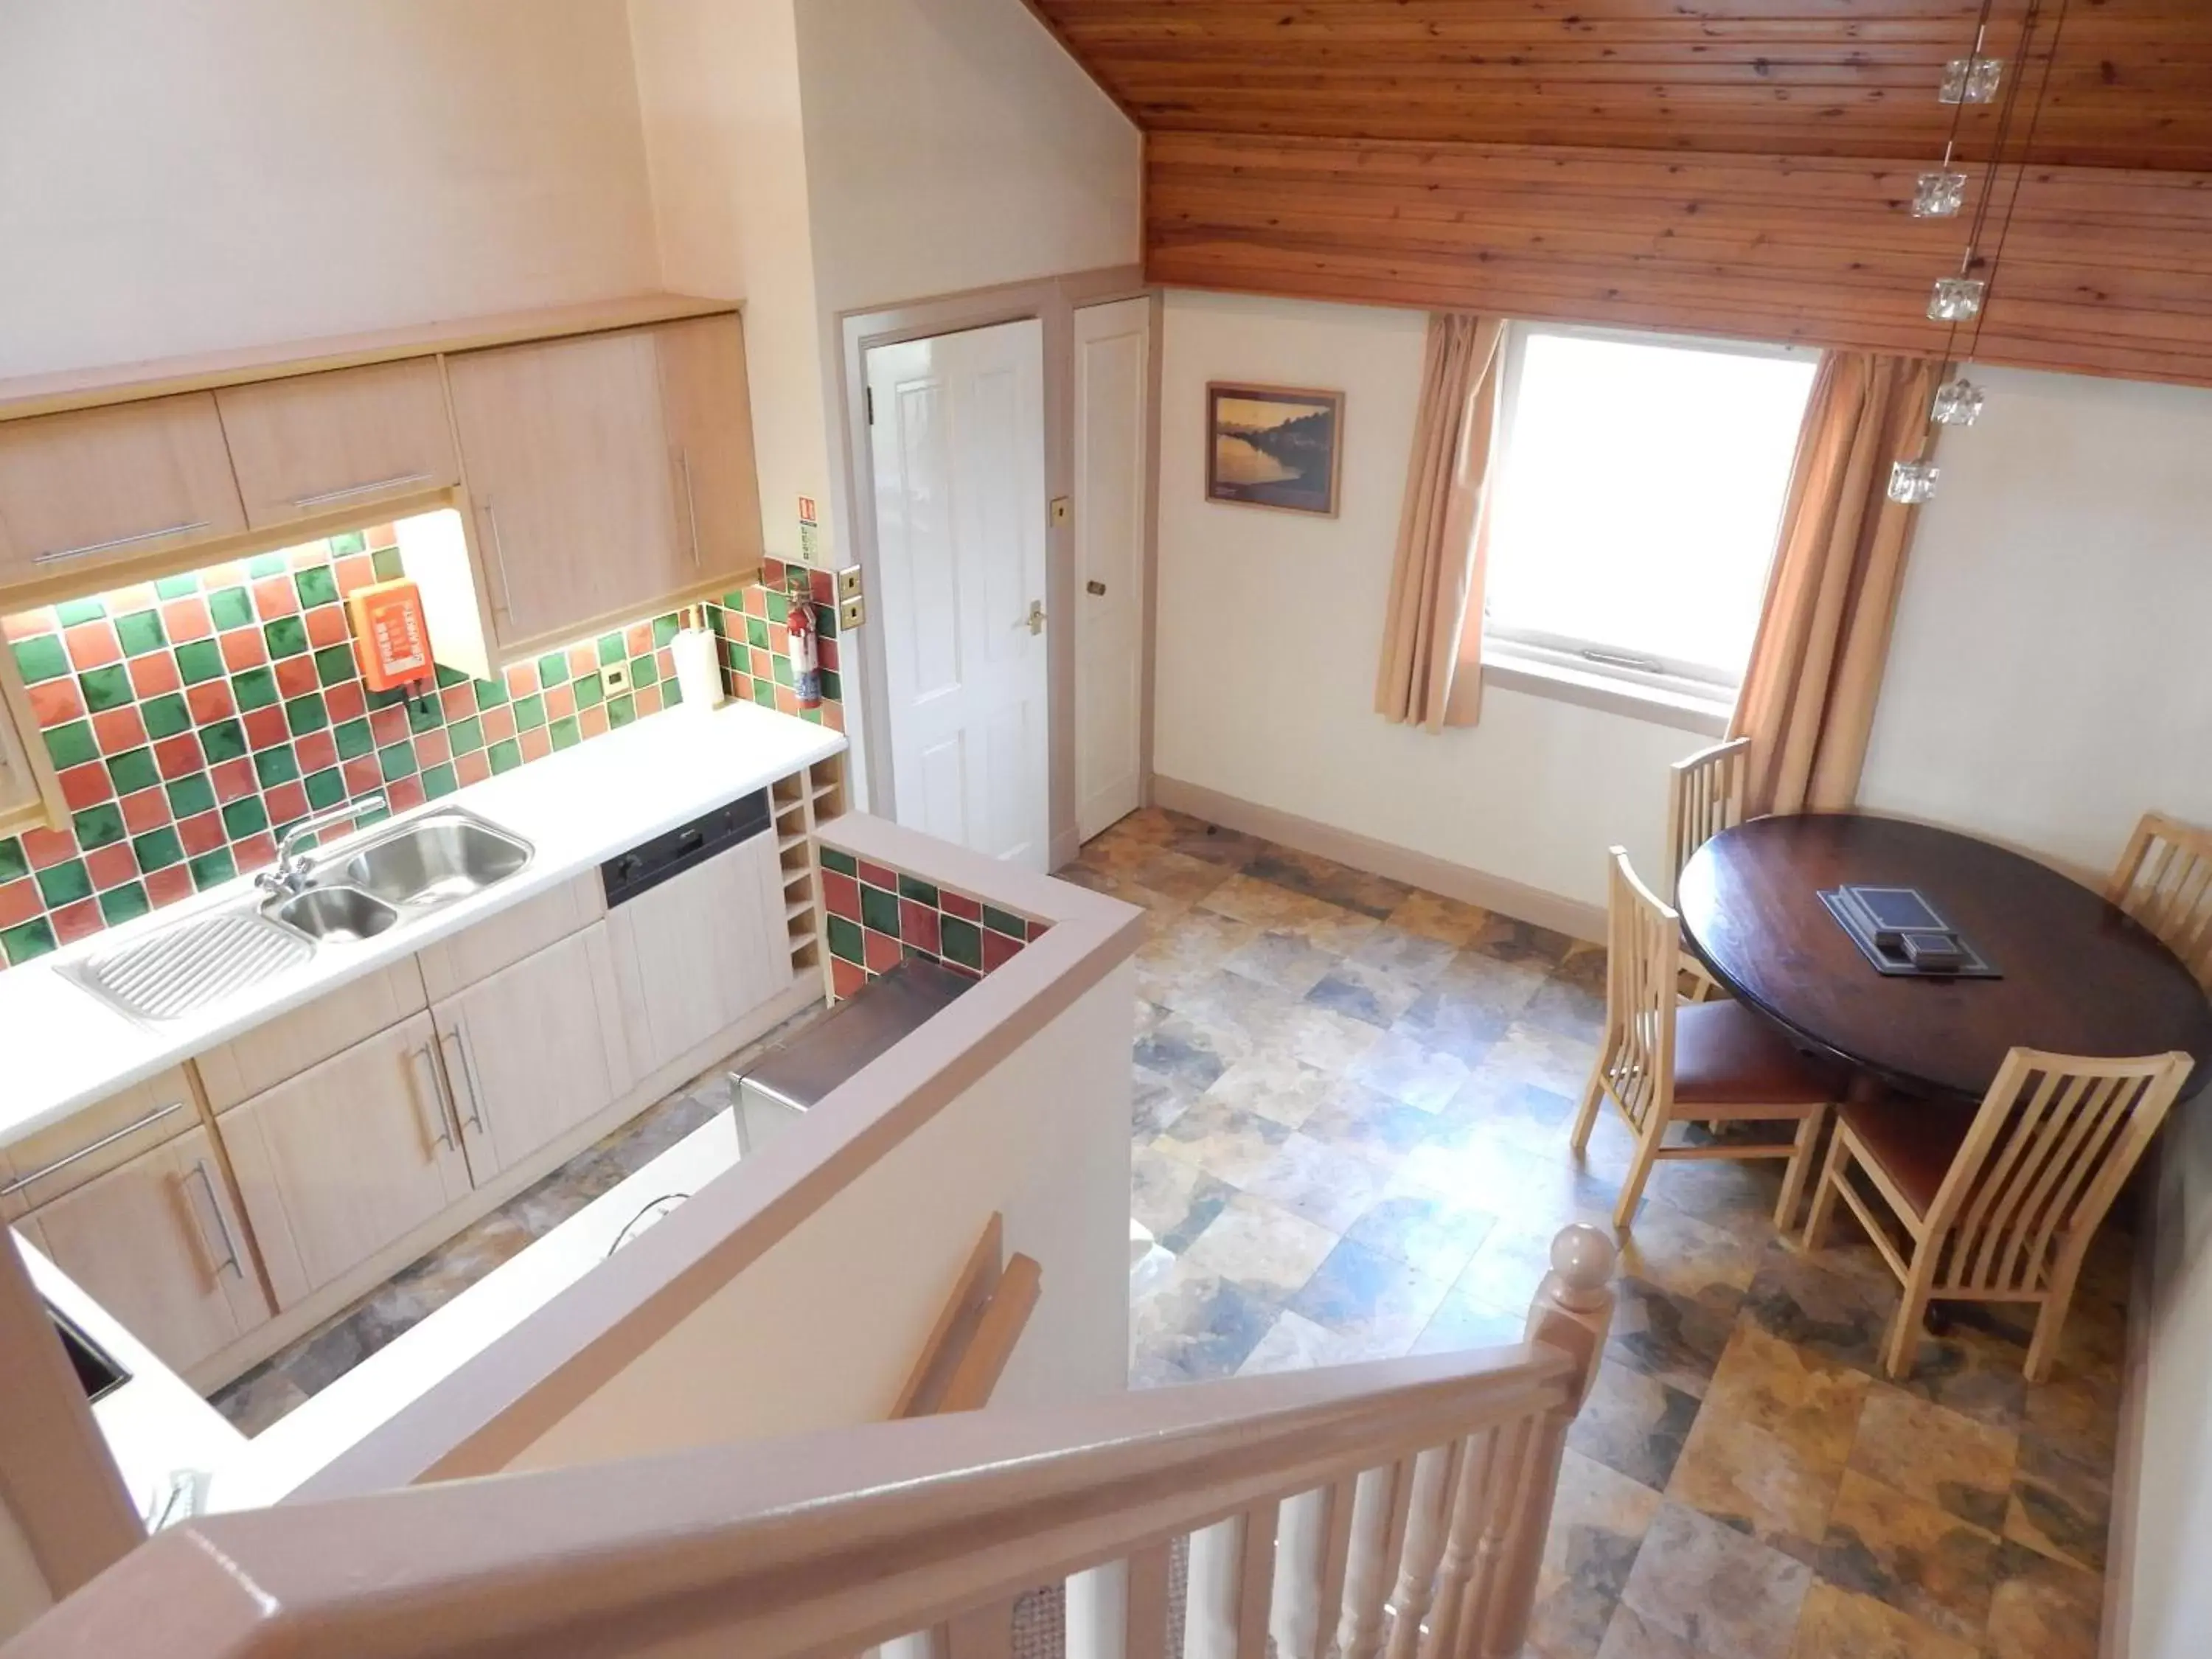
(964, 973)
(286, 802)
(234, 779)
(242, 649)
(918, 926)
(110, 866)
(209, 701)
(786, 700)
(147, 810)
(841, 894)
(560, 703)
(823, 586)
(881, 951)
(757, 601)
(472, 767)
(167, 886)
(522, 679)
(362, 774)
(274, 597)
(779, 640)
(346, 701)
(216, 577)
(648, 700)
(772, 575)
(537, 743)
(833, 716)
(959, 904)
(582, 659)
(29, 624)
(664, 663)
(155, 674)
(762, 667)
(876, 875)
(1037, 930)
(265, 727)
(825, 653)
(498, 723)
(316, 751)
(846, 978)
(998, 950)
(326, 625)
(356, 572)
(92, 644)
(203, 833)
(55, 703)
(639, 639)
(119, 729)
(380, 536)
(460, 701)
(594, 720)
(295, 677)
(86, 785)
(187, 620)
(433, 749)
(307, 557)
(47, 848)
(405, 794)
(388, 724)
(19, 902)
(177, 755)
(255, 851)
(80, 920)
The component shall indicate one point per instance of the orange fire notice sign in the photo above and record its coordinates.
(391, 640)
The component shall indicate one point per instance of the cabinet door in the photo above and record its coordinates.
(696, 954)
(158, 1244)
(702, 377)
(313, 444)
(346, 1159)
(534, 1051)
(572, 482)
(102, 484)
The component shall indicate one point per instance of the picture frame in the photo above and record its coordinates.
(1274, 446)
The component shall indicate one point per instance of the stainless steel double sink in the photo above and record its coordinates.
(391, 876)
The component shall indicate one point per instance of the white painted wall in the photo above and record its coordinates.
(182, 177)
(821, 1330)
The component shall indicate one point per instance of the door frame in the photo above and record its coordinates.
(1052, 301)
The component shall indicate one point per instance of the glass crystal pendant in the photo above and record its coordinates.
(1958, 403)
(1970, 80)
(1911, 483)
(1940, 196)
(1956, 299)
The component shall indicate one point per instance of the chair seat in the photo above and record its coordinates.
(1914, 1142)
(1727, 1055)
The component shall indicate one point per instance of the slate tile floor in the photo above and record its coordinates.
(1351, 1109)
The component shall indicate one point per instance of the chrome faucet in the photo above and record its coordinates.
(293, 867)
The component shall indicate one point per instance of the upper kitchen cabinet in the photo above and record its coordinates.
(312, 445)
(709, 411)
(98, 485)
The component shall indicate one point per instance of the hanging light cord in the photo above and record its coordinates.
(2020, 175)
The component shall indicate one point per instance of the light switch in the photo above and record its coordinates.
(848, 582)
(1060, 508)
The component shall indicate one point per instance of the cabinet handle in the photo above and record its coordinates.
(460, 1036)
(61, 1164)
(505, 604)
(323, 496)
(448, 1123)
(690, 504)
(230, 1261)
(113, 543)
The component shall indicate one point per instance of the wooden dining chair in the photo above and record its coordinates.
(2164, 881)
(1704, 796)
(1997, 1204)
(1661, 1061)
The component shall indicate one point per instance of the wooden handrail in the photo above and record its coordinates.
(1004, 1318)
(832, 1542)
(949, 1339)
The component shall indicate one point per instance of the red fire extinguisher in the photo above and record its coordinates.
(798, 626)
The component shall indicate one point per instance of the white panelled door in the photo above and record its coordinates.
(1113, 365)
(956, 437)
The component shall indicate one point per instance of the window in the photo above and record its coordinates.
(1637, 497)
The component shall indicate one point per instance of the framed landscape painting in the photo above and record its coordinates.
(1269, 446)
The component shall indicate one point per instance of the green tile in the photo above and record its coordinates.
(223, 740)
(779, 608)
(106, 688)
(70, 745)
(97, 826)
(388, 564)
(757, 633)
(157, 849)
(915, 888)
(276, 764)
(664, 630)
(439, 780)
(845, 938)
(355, 739)
(643, 672)
(316, 584)
(782, 669)
(764, 693)
(962, 941)
(396, 760)
(880, 910)
(622, 710)
(287, 637)
(29, 940)
(306, 713)
(245, 816)
(812, 715)
(553, 669)
(70, 612)
(178, 587)
(192, 794)
(63, 884)
(120, 904)
(255, 689)
(14, 864)
(825, 620)
(346, 542)
(449, 678)
(490, 694)
(591, 691)
(389, 698)
(141, 632)
(264, 565)
(611, 648)
(567, 734)
(833, 859)
(671, 693)
(230, 607)
(166, 715)
(325, 787)
(133, 770)
(833, 689)
(212, 869)
(200, 661)
(425, 714)
(41, 658)
(506, 756)
(1005, 921)
(529, 711)
(466, 734)
(334, 664)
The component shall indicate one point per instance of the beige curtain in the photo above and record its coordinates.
(1808, 694)
(1432, 669)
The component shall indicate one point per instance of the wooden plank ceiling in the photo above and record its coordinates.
(1732, 166)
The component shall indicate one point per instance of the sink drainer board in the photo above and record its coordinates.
(187, 967)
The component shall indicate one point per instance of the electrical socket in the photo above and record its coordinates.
(614, 677)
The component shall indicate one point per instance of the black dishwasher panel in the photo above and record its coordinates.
(646, 866)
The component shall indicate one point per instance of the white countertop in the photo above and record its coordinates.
(65, 1047)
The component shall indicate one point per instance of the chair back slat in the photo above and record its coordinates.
(1704, 796)
(2164, 880)
(1643, 970)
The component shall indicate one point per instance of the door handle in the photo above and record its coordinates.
(442, 1113)
(1035, 618)
(230, 1262)
(458, 1036)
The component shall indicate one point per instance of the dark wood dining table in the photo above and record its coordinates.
(2078, 975)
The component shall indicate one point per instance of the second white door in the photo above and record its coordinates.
(1113, 404)
(957, 438)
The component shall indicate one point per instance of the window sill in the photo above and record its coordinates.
(1501, 667)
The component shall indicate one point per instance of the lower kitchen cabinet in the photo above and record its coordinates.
(534, 1051)
(157, 1242)
(347, 1157)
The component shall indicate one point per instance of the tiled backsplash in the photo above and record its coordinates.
(192, 718)
(879, 915)
(751, 624)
